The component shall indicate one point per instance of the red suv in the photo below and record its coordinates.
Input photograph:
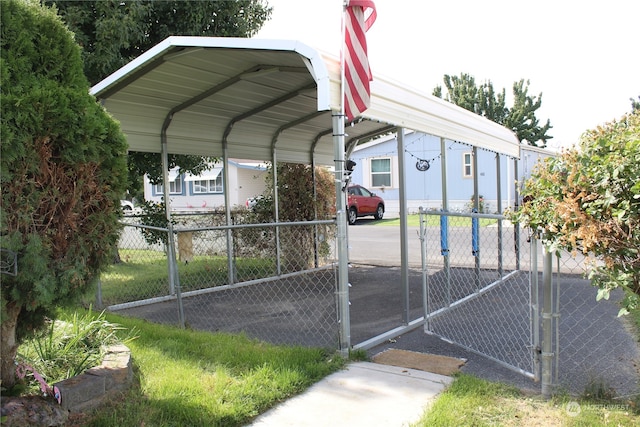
(363, 202)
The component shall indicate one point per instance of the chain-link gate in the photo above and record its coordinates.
(477, 293)
(496, 292)
(278, 284)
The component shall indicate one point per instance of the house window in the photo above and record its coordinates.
(208, 185)
(175, 187)
(381, 172)
(467, 165)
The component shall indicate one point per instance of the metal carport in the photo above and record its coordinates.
(272, 99)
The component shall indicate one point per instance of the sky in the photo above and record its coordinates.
(584, 57)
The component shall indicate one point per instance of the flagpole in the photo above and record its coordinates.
(343, 24)
(338, 119)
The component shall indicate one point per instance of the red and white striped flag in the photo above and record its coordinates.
(360, 15)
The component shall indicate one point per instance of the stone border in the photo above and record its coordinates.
(78, 394)
(88, 390)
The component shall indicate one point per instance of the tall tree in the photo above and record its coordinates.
(483, 100)
(114, 32)
(63, 170)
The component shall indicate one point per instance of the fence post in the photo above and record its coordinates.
(425, 275)
(556, 322)
(535, 307)
(499, 210)
(444, 250)
(174, 277)
(516, 225)
(475, 246)
(547, 323)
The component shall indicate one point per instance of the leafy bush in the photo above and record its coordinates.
(155, 215)
(297, 201)
(588, 200)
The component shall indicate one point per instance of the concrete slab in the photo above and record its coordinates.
(363, 394)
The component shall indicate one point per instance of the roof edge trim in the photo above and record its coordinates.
(313, 60)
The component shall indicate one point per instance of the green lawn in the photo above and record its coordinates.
(190, 378)
(434, 221)
(471, 401)
(144, 274)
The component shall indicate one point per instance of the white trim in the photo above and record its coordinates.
(315, 63)
(210, 175)
(390, 173)
(174, 174)
(464, 164)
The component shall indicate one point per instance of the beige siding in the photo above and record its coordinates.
(251, 183)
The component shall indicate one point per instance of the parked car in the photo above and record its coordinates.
(253, 201)
(362, 202)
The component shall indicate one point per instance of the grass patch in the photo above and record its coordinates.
(193, 378)
(202, 379)
(144, 274)
(471, 401)
(434, 221)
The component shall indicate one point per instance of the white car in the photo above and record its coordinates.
(252, 201)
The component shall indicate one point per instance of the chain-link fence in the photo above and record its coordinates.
(477, 295)
(482, 286)
(275, 282)
(594, 350)
(486, 290)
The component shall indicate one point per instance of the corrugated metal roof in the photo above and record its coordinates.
(257, 94)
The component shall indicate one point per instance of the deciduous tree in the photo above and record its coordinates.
(114, 32)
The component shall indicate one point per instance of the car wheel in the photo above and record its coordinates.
(379, 212)
(352, 216)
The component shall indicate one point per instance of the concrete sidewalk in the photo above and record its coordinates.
(363, 394)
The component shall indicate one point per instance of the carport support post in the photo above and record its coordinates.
(276, 211)
(516, 226)
(476, 209)
(547, 323)
(404, 242)
(174, 278)
(341, 237)
(499, 211)
(231, 270)
(445, 209)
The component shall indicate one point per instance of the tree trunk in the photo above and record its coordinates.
(116, 254)
(8, 344)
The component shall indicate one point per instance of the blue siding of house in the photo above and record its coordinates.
(425, 188)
